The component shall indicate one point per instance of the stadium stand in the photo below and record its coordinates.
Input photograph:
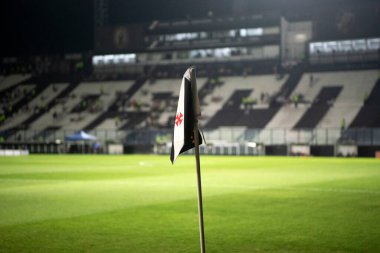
(7, 82)
(246, 101)
(369, 114)
(110, 118)
(321, 104)
(355, 85)
(271, 79)
(36, 106)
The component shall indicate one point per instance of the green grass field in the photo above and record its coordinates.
(144, 204)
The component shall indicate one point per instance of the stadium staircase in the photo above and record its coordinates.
(10, 131)
(369, 114)
(73, 84)
(29, 96)
(208, 88)
(7, 90)
(289, 85)
(113, 109)
(9, 83)
(13, 132)
(231, 112)
(89, 101)
(319, 108)
(233, 115)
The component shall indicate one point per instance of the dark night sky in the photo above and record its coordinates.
(56, 26)
(166, 9)
(41, 26)
(30, 27)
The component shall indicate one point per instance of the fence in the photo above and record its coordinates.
(221, 136)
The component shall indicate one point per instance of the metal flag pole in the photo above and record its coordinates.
(196, 147)
(200, 203)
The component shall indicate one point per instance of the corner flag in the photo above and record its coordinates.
(187, 136)
(188, 110)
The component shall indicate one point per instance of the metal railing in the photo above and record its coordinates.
(318, 136)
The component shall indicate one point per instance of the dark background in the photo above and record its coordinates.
(44, 27)
(30, 27)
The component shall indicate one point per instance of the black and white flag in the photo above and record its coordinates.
(188, 111)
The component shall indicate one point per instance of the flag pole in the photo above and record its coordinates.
(198, 166)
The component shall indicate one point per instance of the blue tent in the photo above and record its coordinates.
(80, 136)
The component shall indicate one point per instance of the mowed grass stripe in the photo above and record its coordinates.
(143, 204)
(273, 221)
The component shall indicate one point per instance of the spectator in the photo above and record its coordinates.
(295, 100)
(96, 147)
(311, 81)
(84, 104)
(2, 117)
(117, 121)
(342, 126)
